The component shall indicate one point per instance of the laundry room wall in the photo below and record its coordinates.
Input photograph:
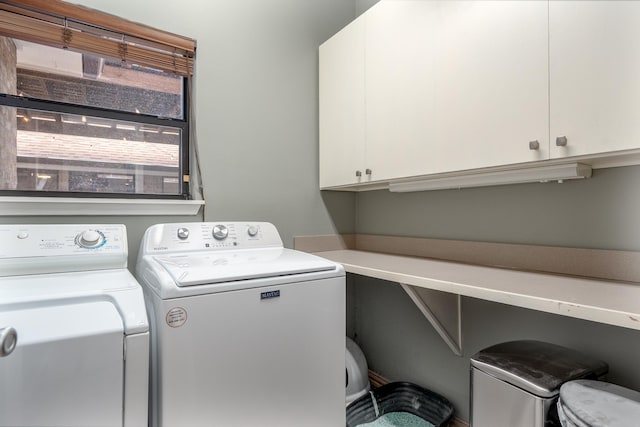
(256, 92)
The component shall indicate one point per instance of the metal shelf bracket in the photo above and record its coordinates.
(443, 310)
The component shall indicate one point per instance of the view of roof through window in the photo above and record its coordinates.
(111, 127)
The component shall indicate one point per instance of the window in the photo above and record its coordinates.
(87, 108)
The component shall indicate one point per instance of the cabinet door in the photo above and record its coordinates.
(400, 88)
(341, 75)
(595, 76)
(492, 84)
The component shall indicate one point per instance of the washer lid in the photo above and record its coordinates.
(118, 287)
(205, 268)
(599, 404)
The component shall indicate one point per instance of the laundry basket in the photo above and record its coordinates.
(400, 397)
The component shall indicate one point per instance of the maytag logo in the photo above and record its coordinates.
(270, 294)
(161, 248)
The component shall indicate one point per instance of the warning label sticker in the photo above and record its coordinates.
(176, 317)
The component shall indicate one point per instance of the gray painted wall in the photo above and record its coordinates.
(257, 105)
(600, 212)
(257, 111)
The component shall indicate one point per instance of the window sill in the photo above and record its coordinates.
(68, 206)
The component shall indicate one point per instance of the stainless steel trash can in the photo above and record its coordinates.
(517, 383)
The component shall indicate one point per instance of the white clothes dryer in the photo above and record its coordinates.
(74, 328)
(244, 332)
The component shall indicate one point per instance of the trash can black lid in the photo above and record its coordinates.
(537, 367)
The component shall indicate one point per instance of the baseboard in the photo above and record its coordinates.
(457, 422)
(376, 380)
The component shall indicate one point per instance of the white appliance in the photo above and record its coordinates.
(243, 331)
(357, 372)
(74, 329)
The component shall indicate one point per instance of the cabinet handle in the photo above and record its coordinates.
(358, 174)
(561, 141)
(367, 171)
(8, 341)
(534, 145)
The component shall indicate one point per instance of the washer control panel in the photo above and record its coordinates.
(19, 241)
(197, 236)
(62, 247)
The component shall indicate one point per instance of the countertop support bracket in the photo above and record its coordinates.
(443, 310)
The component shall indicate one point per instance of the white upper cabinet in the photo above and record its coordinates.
(454, 85)
(415, 88)
(400, 69)
(594, 76)
(342, 115)
(492, 85)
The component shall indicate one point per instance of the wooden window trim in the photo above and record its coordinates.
(70, 22)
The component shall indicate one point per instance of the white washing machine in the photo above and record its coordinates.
(244, 332)
(74, 329)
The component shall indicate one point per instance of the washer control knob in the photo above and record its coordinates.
(23, 235)
(220, 232)
(252, 230)
(90, 239)
(183, 233)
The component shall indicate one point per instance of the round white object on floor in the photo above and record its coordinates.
(357, 372)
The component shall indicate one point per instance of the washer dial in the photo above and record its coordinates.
(90, 239)
(252, 230)
(183, 233)
(220, 232)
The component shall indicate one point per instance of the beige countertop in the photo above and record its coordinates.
(610, 302)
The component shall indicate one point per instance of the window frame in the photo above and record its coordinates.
(58, 23)
(7, 100)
